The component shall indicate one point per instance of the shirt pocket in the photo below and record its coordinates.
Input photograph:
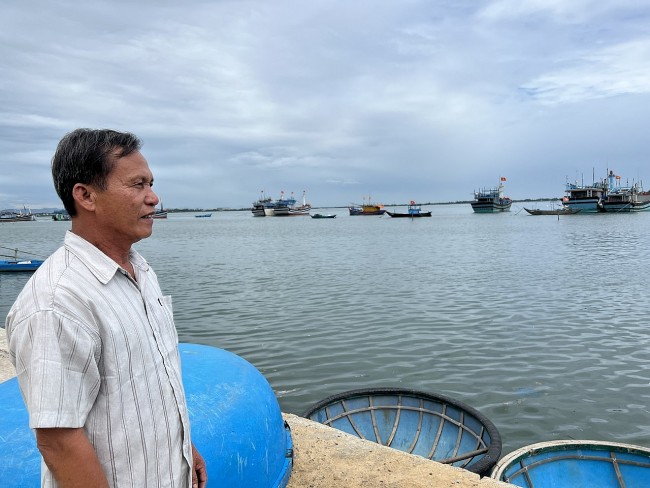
(166, 324)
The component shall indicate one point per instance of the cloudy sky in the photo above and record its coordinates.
(400, 100)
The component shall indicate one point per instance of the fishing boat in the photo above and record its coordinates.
(576, 464)
(588, 198)
(61, 217)
(555, 211)
(280, 207)
(414, 210)
(323, 216)
(24, 265)
(286, 207)
(491, 200)
(625, 199)
(15, 263)
(258, 207)
(425, 424)
(13, 216)
(367, 208)
(160, 214)
(300, 210)
(203, 216)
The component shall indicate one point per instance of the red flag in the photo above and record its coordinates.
(503, 178)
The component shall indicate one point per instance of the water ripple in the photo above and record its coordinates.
(539, 323)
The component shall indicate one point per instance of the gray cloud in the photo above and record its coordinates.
(407, 100)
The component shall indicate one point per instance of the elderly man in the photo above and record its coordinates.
(93, 338)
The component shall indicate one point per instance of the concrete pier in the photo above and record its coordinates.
(327, 458)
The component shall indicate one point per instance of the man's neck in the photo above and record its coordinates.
(109, 246)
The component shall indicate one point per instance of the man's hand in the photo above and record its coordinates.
(199, 472)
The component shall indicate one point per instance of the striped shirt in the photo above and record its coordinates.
(95, 349)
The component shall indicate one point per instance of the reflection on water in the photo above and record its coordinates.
(538, 322)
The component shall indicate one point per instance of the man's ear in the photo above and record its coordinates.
(84, 196)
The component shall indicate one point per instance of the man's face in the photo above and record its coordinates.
(125, 207)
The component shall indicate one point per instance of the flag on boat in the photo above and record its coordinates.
(503, 178)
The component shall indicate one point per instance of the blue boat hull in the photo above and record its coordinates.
(236, 422)
(576, 464)
(28, 265)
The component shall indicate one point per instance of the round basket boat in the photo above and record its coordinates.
(432, 426)
(235, 418)
(576, 464)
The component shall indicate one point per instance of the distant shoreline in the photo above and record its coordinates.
(49, 212)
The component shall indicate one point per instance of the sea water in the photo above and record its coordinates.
(539, 322)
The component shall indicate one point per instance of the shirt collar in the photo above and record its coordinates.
(99, 264)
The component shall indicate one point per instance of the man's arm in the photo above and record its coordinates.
(70, 457)
(199, 471)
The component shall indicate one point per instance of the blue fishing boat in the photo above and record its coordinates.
(203, 216)
(432, 426)
(323, 216)
(414, 210)
(237, 425)
(491, 200)
(14, 265)
(576, 464)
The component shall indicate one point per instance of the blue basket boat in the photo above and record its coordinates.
(236, 422)
(432, 426)
(576, 464)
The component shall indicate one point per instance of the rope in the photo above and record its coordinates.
(18, 251)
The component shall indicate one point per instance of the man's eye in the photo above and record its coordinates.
(142, 184)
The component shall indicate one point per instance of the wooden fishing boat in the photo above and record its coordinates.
(555, 211)
(432, 426)
(367, 208)
(576, 464)
(8, 266)
(323, 216)
(414, 210)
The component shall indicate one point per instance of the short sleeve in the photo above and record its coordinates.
(56, 365)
